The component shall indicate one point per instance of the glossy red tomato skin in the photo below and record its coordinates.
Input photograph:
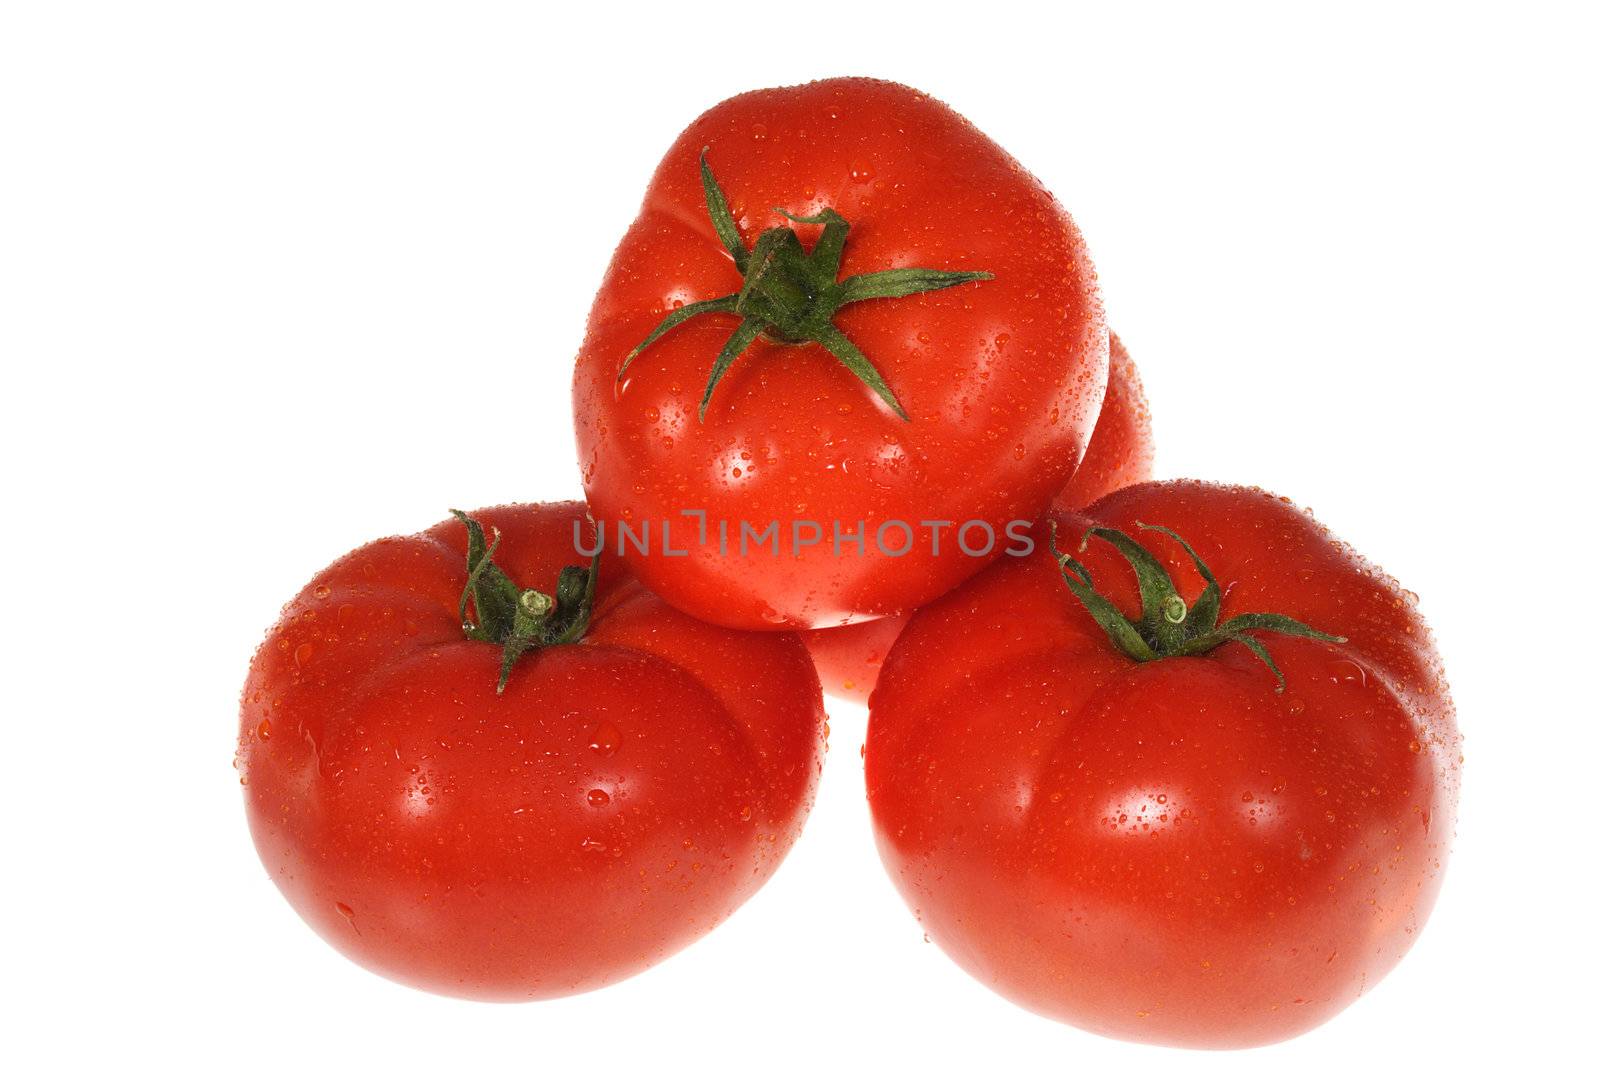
(1170, 852)
(1001, 379)
(849, 658)
(1121, 452)
(623, 796)
(1122, 449)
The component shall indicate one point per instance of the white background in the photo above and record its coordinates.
(262, 266)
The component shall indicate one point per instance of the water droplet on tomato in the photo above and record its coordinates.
(1351, 672)
(599, 798)
(589, 844)
(606, 740)
(321, 592)
(264, 729)
(303, 654)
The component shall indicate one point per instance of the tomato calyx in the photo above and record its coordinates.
(1168, 626)
(520, 619)
(791, 295)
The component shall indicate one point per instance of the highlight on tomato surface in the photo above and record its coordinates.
(479, 764)
(1189, 780)
(1121, 452)
(845, 327)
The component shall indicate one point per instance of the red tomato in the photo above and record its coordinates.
(624, 794)
(1171, 850)
(1121, 452)
(968, 399)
